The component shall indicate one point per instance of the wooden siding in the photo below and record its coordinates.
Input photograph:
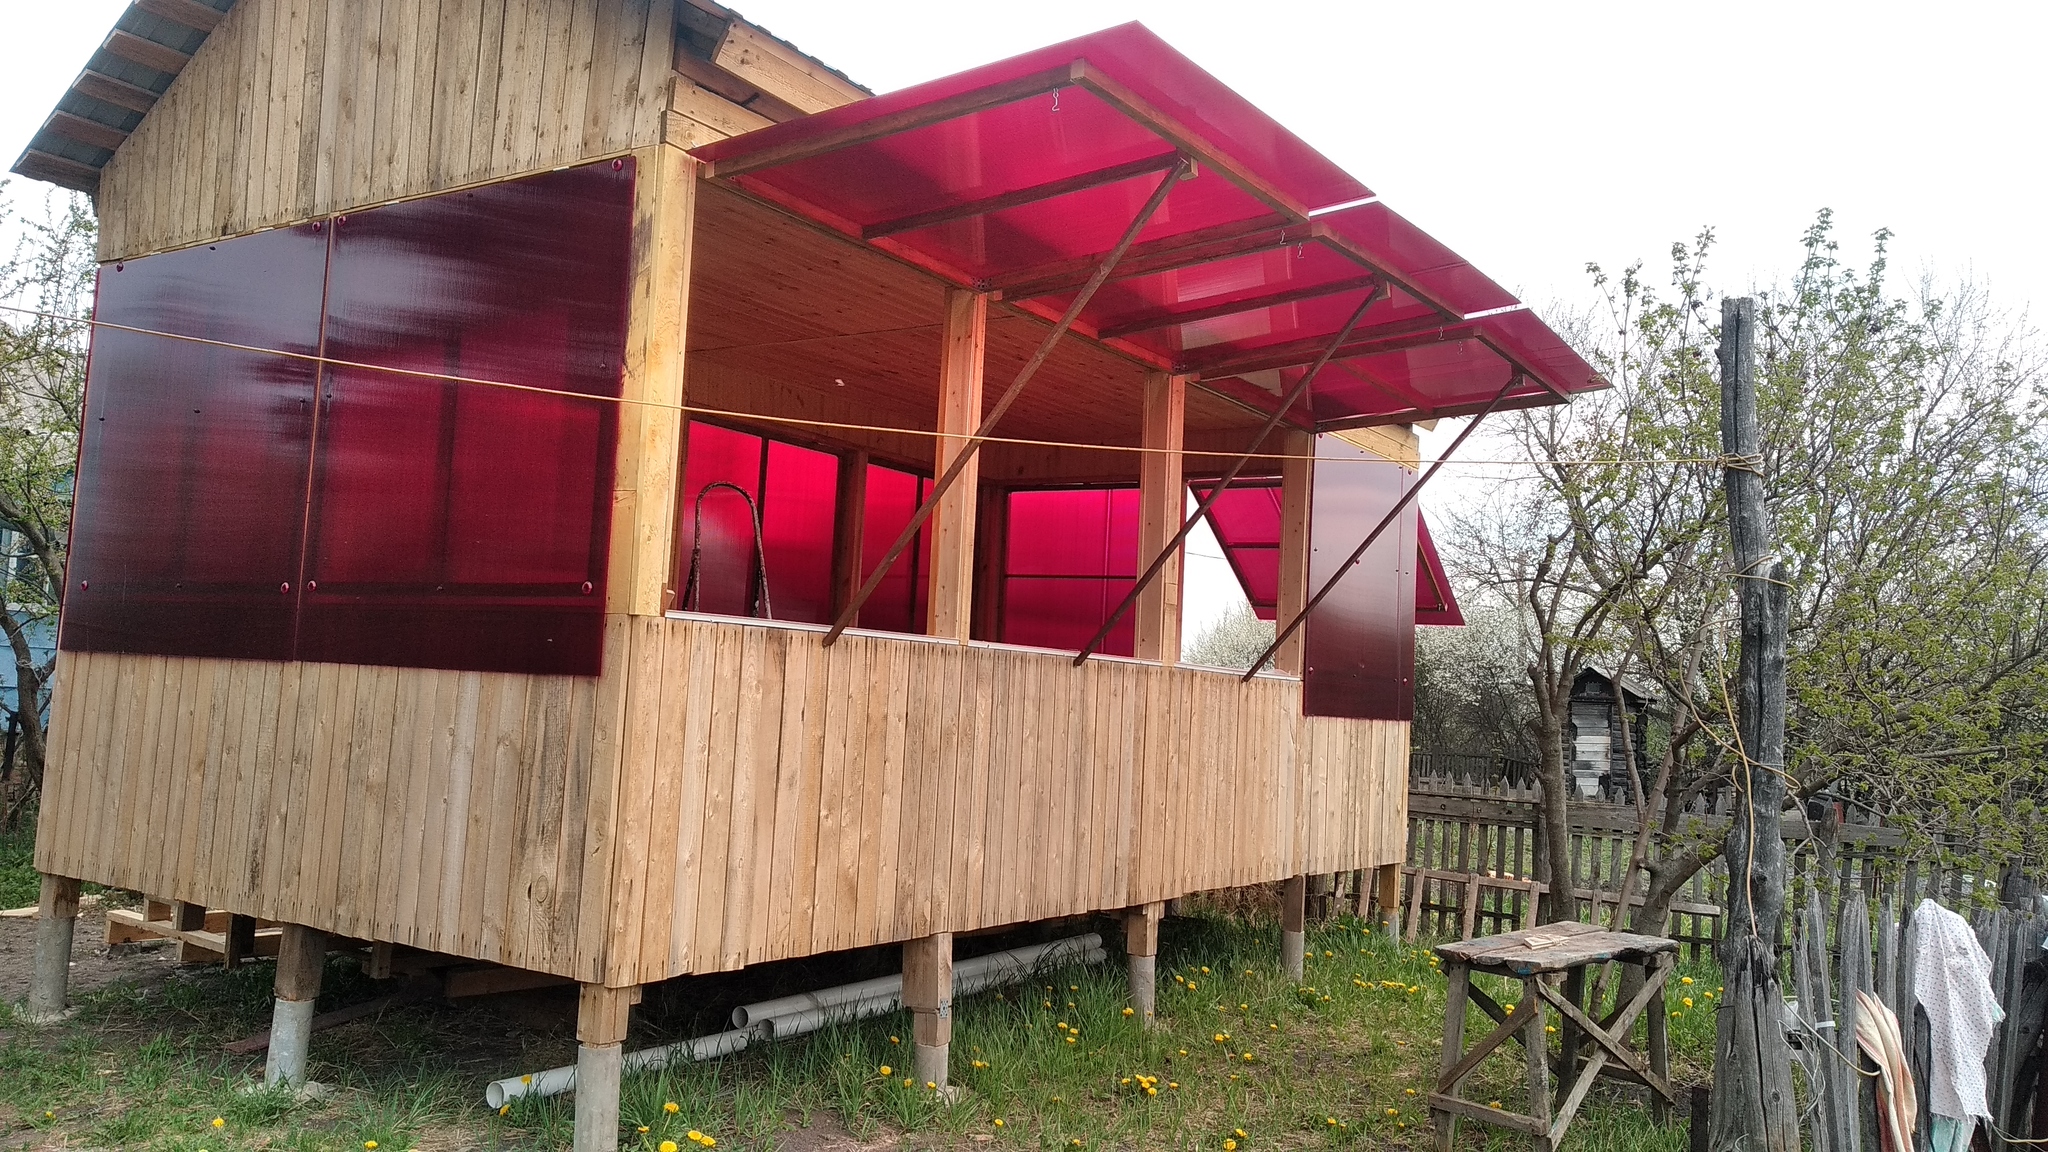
(295, 109)
(725, 794)
(452, 811)
(779, 798)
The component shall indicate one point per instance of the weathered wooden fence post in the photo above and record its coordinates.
(1754, 1109)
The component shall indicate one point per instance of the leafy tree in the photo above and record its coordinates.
(1903, 466)
(1232, 640)
(42, 391)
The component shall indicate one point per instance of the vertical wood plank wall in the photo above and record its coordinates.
(794, 799)
(725, 794)
(452, 811)
(294, 109)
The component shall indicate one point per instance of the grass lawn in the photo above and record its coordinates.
(1240, 1055)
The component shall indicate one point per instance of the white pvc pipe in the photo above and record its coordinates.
(811, 1011)
(1022, 960)
(986, 976)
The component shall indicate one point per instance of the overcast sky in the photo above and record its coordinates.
(1532, 138)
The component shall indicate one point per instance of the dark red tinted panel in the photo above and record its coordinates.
(898, 603)
(798, 518)
(192, 473)
(461, 525)
(1246, 521)
(1361, 639)
(1070, 556)
(1435, 601)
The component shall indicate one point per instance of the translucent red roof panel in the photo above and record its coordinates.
(1246, 523)
(1019, 176)
(1435, 601)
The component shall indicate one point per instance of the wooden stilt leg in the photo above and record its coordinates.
(1293, 926)
(928, 993)
(56, 923)
(301, 961)
(1389, 881)
(1658, 1041)
(601, 1017)
(1456, 995)
(1141, 947)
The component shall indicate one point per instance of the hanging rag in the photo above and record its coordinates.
(1898, 1106)
(1952, 982)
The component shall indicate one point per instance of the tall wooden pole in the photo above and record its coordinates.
(1753, 1108)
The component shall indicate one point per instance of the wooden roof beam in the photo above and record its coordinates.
(188, 13)
(1172, 253)
(1294, 354)
(148, 53)
(1051, 189)
(38, 165)
(1160, 320)
(787, 75)
(85, 131)
(108, 90)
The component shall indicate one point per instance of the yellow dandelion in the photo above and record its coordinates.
(1220, 1037)
(1048, 1003)
(1173, 1084)
(1233, 1075)
(1393, 1111)
(695, 1136)
(1493, 1103)
(1149, 1091)
(371, 1145)
(1411, 1091)
(1070, 1038)
(1239, 1133)
(526, 1079)
(907, 1082)
(1247, 1057)
(886, 1070)
(643, 1129)
(894, 1040)
(219, 1123)
(1676, 1015)
(504, 1109)
(1230, 1146)
(1687, 1001)
(999, 1121)
(1272, 1027)
(1130, 1011)
(1685, 979)
(932, 1084)
(671, 1107)
(1511, 1009)
(708, 1142)
(1073, 987)
(1550, 1027)
(1126, 1081)
(1403, 1124)
(1070, 1003)
(1329, 955)
(1191, 985)
(1076, 1141)
(1330, 1120)
(1183, 1051)
(668, 1146)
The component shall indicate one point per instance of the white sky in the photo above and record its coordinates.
(1532, 138)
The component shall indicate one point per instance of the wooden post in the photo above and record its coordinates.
(1293, 926)
(964, 342)
(301, 960)
(56, 923)
(849, 518)
(1457, 994)
(928, 993)
(1390, 900)
(1141, 950)
(1753, 1102)
(1536, 1053)
(238, 943)
(1296, 476)
(601, 1017)
(650, 433)
(1162, 505)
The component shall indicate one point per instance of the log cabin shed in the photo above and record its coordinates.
(583, 486)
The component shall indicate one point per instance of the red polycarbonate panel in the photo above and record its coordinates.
(1360, 647)
(798, 516)
(1524, 336)
(1069, 557)
(1389, 240)
(1246, 523)
(461, 525)
(715, 524)
(898, 602)
(1132, 56)
(1435, 601)
(192, 470)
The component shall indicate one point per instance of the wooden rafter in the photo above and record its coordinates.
(1169, 319)
(148, 53)
(1114, 174)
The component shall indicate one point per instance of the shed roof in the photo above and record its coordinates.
(153, 40)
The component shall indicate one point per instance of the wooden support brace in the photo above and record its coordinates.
(602, 1015)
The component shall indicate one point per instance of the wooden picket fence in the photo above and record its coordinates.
(1454, 837)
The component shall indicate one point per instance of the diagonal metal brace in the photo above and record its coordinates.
(1286, 405)
(1407, 498)
(973, 445)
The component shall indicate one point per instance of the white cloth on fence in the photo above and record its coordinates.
(1952, 982)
